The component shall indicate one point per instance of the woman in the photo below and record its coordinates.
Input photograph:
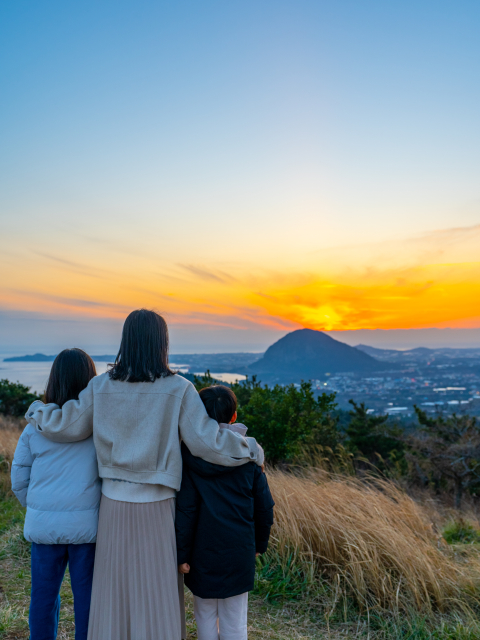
(139, 411)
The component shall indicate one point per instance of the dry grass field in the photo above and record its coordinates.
(348, 559)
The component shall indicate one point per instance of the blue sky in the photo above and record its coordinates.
(253, 135)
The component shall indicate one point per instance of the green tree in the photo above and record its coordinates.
(285, 420)
(449, 446)
(371, 437)
(15, 398)
(288, 420)
(200, 382)
(244, 390)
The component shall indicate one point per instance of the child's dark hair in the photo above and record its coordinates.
(71, 372)
(220, 402)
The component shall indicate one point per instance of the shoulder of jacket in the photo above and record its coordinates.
(100, 380)
(28, 432)
(23, 442)
(179, 383)
(258, 474)
(180, 380)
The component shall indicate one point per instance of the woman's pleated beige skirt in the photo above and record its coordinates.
(137, 593)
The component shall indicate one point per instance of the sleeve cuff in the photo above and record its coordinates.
(260, 456)
(261, 547)
(182, 560)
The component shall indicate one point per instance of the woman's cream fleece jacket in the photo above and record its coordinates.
(138, 426)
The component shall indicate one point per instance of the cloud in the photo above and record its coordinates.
(73, 304)
(453, 246)
(205, 274)
(149, 292)
(76, 267)
(427, 295)
(428, 280)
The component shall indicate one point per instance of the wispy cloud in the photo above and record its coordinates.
(74, 304)
(453, 246)
(206, 274)
(77, 267)
(427, 280)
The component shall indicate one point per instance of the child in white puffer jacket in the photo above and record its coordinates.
(60, 486)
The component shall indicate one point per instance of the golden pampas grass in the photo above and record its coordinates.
(369, 539)
(10, 431)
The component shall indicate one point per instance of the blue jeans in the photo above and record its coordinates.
(49, 562)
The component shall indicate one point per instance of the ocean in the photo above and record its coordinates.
(35, 374)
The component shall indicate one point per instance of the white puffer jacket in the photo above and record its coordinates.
(60, 486)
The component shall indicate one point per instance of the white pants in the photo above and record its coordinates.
(222, 619)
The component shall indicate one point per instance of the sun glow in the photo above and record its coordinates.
(354, 288)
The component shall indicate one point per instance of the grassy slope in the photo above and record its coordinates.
(280, 622)
(275, 622)
(307, 607)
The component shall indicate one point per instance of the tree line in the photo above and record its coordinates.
(294, 424)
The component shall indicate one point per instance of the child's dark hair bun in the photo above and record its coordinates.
(220, 402)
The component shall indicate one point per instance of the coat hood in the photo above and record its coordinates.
(237, 427)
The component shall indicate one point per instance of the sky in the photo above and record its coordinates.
(244, 168)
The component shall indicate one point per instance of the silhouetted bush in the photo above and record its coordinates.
(15, 398)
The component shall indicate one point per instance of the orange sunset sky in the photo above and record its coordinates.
(245, 170)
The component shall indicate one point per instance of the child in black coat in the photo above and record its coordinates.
(223, 521)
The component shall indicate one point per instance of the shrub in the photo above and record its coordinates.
(449, 447)
(370, 435)
(15, 398)
(461, 531)
(286, 420)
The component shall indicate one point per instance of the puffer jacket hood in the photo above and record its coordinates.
(60, 486)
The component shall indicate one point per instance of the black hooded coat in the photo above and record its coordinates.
(223, 517)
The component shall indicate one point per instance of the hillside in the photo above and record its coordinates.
(308, 354)
(347, 559)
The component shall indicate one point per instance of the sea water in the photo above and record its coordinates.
(35, 374)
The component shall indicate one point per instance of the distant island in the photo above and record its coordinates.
(219, 362)
(41, 357)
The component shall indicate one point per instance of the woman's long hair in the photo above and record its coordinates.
(143, 355)
(71, 372)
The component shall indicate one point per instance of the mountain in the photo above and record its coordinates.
(423, 357)
(308, 354)
(380, 354)
(375, 352)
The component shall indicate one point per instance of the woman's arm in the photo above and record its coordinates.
(72, 422)
(206, 440)
(22, 467)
